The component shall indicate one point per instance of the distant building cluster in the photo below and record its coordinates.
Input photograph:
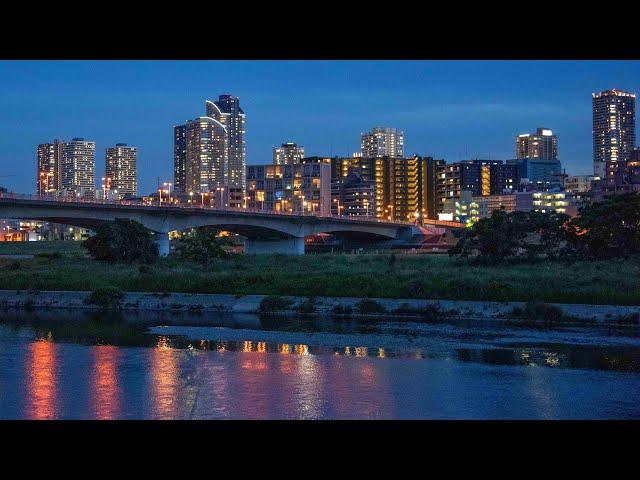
(66, 169)
(210, 168)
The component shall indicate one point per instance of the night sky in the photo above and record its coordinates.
(447, 109)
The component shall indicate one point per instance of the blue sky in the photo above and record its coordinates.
(447, 109)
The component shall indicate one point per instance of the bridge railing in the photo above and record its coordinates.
(124, 202)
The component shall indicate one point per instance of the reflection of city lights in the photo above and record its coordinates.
(552, 359)
(302, 349)
(42, 380)
(163, 343)
(165, 379)
(105, 389)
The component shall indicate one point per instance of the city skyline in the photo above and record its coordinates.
(478, 123)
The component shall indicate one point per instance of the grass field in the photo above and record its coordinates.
(411, 276)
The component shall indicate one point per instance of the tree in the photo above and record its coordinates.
(202, 246)
(503, 236)
(122, 241)
(607, 229)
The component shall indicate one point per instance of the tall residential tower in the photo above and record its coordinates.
(78, 168)
(382, 142)
(121, 170)
(614, 128)
(48, 176)
(540, 145)
(287, 154)
(206, 155)
(227, 111)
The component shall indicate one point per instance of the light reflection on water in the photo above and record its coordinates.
(49, 372)
(42, 383)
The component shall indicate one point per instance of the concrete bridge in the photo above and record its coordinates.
(265, 232)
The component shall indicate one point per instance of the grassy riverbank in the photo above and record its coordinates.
(65, 266)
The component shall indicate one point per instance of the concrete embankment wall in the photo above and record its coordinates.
(324, 305)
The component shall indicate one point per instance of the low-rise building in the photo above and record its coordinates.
(297, 188)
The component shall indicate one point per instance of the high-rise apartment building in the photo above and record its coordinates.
(287, 154)
(121, 172)
(540, 145)
(353, 196)
(400, 186)
(206, 155)
(227, 111)
(77, 176)
(614, 128)
(180, 158)
(382, 142)
(48, 175)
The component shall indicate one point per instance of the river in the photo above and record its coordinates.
(80, 365)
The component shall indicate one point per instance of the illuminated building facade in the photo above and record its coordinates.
(463, 209)
(287, 154)
(180, 158)
(578, 183)
(540, 145)
(382, 142)
(78, 169)
(121, 171)
(227, 111)
(486, 205)
(298, 188)
(207, 154)
(620, 176)
(49, 173)
(614, 128)
(541, 172)
(549, 201)
(353, 196)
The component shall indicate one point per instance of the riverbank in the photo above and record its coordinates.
(410, 309)
(65, 266)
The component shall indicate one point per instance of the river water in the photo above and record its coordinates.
(78, 365)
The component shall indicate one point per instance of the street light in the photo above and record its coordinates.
(169, 184)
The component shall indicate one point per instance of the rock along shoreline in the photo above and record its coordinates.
(250, 304)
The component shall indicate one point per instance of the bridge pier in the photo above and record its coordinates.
(162, 240)
(289, 246)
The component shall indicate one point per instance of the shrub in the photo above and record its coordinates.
(49, 255)
(106, 297)
(308, 306)
(628, 318)
(367, 305)
(145, 269)
(539, 311)
(416, 288)
(342, 310)
(274, 303)
(433, 311)
(122, 241)
(406, 309)
(202, 246)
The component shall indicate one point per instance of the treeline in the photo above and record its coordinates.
(602, 230)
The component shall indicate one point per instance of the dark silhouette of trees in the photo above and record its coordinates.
(603, 230)
(122, 241)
